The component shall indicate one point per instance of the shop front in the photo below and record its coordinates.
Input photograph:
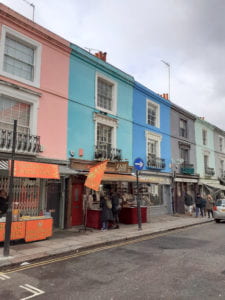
(182, 185)
(34, 203)
(212, 187)
(84, 203)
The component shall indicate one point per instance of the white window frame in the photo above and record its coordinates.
(114, 94)
(25, 96)
(221, 138)
(157, 107)
(155, 137)
(27, 41)
(104, 120)
(206, 137)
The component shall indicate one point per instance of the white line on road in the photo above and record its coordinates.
(3, 276)
(33, 290)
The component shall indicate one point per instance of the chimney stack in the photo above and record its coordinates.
(165, 96)
(101, 55)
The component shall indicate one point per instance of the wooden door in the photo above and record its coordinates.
(77, 204)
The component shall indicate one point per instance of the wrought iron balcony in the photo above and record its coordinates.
(156, 162)
(103, 152)
(209, 171)
(187, 169)
(25, 143)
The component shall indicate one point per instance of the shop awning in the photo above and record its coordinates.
(216, 186)
(65, 170)
(35, 170)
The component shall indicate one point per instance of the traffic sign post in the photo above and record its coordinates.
(138, 164)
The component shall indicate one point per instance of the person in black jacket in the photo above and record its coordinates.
(3, 202)
(199, 204)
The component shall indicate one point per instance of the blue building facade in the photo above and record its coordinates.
(151, 142)
(99, 127)
(99, 110)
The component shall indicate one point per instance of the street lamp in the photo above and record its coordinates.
(168, 66)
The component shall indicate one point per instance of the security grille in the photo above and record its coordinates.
(26, 194)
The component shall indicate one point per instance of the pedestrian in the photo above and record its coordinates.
(209, 205)
(198, 205)
(106, 213)
(203, 207)
(116, 207)
(3, 202)
(188, 204)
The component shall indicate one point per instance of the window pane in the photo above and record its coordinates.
(18, 59)
(11, 110)
(151, 115)
(104, 99)
(104, 136)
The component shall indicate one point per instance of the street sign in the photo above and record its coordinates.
(138, 164)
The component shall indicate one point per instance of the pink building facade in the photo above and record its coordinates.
(34, 71)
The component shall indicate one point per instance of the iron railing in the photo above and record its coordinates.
(25, 143)
(156, 162)
(107, 152)
(186, 168)
(209, 171)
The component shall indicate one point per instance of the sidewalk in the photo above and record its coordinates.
(75, 240)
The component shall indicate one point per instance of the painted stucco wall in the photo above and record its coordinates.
(53, 89)
(81, 109)
(176, 115)
(141, 94)
(201, 149)
(219, 155)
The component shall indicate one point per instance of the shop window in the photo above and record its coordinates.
(153, 113)
(106, 94)
(20, 57)
(156, 195)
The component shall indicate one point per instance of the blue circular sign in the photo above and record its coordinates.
(139, 163)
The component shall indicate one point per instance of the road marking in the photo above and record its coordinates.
(117, 244)
(3, 276)
(35, 292)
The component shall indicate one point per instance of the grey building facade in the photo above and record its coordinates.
(183, 161)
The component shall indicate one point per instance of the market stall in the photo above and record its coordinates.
(28, 228)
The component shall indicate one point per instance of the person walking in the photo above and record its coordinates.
(209, 205)
(116, 207)
(188, 204)
(106, 213)
(203, 207)
(198, 205)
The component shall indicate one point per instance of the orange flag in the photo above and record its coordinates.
(95, 176)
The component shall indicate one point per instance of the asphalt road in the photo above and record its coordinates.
(183, 264)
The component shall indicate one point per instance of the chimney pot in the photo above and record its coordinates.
(101, 55)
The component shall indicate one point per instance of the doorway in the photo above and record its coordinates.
(77, 204)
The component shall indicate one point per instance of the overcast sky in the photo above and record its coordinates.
(137, 35)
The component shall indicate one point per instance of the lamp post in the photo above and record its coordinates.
(168, 66)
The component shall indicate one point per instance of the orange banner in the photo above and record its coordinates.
(35, 170)
(95, 176)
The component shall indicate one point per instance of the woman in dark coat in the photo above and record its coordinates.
(106, 213)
